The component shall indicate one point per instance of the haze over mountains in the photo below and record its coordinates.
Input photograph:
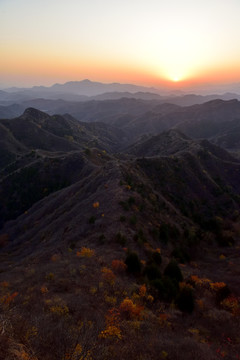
(31, 142)
(88, 90)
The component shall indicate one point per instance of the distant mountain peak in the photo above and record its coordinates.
(175, 133)
(86, 81)
(93, 88)
(221, 101)
(34, 113)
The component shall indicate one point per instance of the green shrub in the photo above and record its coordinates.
(156, 258)
(181, 255)
(131, 200)
(152, 272)
(185, 300)
(224, 240)
(158, 285)
(102, 239)
(92, 219)
(140, 237)
(121, 239)
(133, 220)
(222, 294)
(173, 271)
(87, 151)
(168, 231)
(164, 233)
(129, 181)
(133, 263)
(124, 205)
(167, 289)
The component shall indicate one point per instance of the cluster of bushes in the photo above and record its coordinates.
(139, 237)
(181, 255)
(121, 239)
(166, 286)
(126, 205)
(165, 233)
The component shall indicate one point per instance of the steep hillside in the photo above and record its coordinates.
(207, 120)
(11, 111)
(166, 143)
(37, 130)
(28, 130)
(216, 120)
(41, 154)
(137, 117)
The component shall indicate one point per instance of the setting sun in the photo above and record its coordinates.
(146, 42)
(176, 79)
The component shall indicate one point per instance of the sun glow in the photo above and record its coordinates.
(88, 40)
(176, 78)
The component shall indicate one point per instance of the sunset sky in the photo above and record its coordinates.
(149, 42)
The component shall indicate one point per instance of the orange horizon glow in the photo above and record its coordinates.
(46, 70)
(49, 71)
(174, 45)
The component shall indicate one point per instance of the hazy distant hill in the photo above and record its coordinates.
(192, 99)
(86, 90)
(213, 120)
(95, 110)
(119, 95)
(11, 111)
(90, 88)
(216, 120)
(84, 87)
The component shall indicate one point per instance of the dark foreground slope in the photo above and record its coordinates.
(71, 287)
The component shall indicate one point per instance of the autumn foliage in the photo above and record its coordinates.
(108, 275)
(129, 310)
(118, 266)
(96, 205)
(232, 303)
(85, 252)
(8, 299)
(112, 330)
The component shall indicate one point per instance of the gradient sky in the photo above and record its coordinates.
(140, 41)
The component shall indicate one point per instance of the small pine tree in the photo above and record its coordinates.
(133, 263)
(173, 271)
(222, 294)
(156, 258)
(166, 287)
(185, 300)
(152, 272)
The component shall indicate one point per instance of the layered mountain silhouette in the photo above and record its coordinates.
(86, 90)
(43, 154)
(216, 120)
